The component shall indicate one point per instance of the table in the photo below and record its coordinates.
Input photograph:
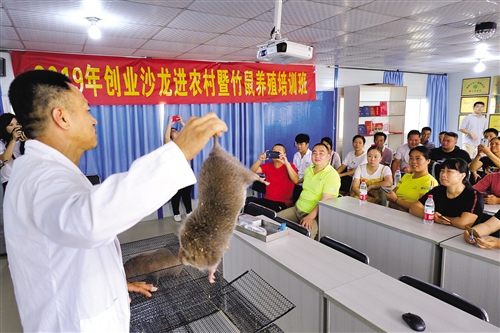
(473, 273)
(396, 242)
(491, 209)
(377, 301)
(300, 268)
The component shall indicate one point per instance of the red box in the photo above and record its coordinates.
(377, 110)
(383, 108)
(369, 126)
(372, 111)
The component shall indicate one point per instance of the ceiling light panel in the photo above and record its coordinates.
(199, 21)
(405, 8)
(354, 20)
(243, 9)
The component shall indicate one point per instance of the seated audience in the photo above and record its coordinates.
(379, 140)
(424, 138)
(335, 157)
(489, 186)
(456, 202)
(321, 182)
(351, 161)
(374, 174)
(282, 177)
(302, 158)
(484, 229)
(402, 154)
(441, 137)
(448, 149)
(490, 162)
(415, 184)
(490, 133)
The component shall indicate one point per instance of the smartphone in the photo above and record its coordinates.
(385, 189)
(176, 119)
(273, 154)
(484, 142)
(445, 218)
(473, 234)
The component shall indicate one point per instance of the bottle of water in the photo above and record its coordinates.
(363, 192)
(255, 228)
(429, 210)
(397, 177)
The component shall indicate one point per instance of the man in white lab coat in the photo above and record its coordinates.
(64, 257)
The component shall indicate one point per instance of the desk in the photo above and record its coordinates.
(491, 209)
(396, 242)
(300, 268)
(377, 301)
(473, 273)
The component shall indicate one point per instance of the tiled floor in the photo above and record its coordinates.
(9, 317)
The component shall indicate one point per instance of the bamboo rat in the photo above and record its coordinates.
(205, 234)
(153, 263)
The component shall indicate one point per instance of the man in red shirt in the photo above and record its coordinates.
(282, 177)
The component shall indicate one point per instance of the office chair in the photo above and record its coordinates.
(254, 209)
(259, 187)
(345, 249)
(94, 179)
(446, 296)
(294, 226)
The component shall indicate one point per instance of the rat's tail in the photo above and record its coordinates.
(216, 140)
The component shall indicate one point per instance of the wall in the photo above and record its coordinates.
(455, 93)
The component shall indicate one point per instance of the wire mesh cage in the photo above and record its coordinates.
(186, 302)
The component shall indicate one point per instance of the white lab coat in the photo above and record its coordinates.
(64, 257)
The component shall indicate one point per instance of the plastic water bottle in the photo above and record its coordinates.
(397, 177)
(363, 192)
(255, 228)
(429, 210)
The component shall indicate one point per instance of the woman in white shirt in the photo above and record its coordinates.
(335, 157)
(11, 144)
(352, 160)
(374, 174)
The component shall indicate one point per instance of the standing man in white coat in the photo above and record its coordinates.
(64, 256)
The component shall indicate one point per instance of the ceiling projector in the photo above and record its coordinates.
(284, 52)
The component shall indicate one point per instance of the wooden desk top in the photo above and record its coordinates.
(380, 300)
(311, 261)
(458, 244)
(393, 219)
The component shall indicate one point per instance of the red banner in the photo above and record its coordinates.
(118, 80)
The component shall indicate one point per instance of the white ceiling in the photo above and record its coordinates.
(430, 36)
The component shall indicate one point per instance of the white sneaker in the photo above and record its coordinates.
(177, 218)
(187, 215)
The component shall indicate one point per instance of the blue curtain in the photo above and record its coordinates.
(395, 78)
(1, 101)
(437, 97)
(124, 133)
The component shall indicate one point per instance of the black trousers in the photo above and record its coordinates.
(185, 194)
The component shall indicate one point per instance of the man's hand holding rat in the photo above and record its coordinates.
(196, 133)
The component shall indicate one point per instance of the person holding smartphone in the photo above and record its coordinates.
(456, 202)
(489, 162)
(281, 175)
(475, 234)
(12, 140)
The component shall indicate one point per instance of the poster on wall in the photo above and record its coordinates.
(476, 86)
(494, 121)
(467, 103)
(496, 85)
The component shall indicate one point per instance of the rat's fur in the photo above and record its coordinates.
(205, 234)
(153, 263)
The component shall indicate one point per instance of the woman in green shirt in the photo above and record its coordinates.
(415, 184)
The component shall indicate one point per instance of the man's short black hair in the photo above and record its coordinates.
(443, 132)
(413, 132)
(300, 138)
(426, 128)
(281, 145)
(33, 94)
(379, 134)
(452, 134)
(479, 102)
(491, 130)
